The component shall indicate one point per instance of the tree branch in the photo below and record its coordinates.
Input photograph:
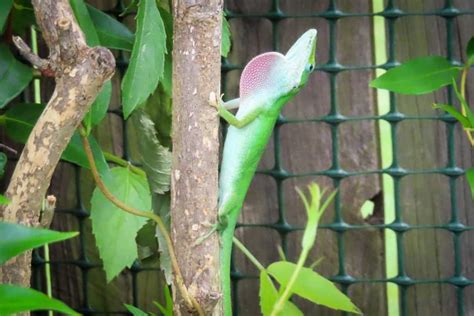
(196, 73)
(80, 73)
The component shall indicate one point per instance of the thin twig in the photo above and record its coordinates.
(25, 51)
(190, 300)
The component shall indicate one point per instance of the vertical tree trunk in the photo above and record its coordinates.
(196, 73)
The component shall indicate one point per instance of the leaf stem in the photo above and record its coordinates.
(248, 254)
(463, 94)
(124, 163)
(285, 296)
(190, 301)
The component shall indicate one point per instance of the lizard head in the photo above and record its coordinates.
(301, 59)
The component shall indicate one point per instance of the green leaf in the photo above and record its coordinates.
(467, 109)
(454, 112)
(14, 76)
(5, 6)
(161, 206)
(159, 107)
(314, 211)
(155, 158)
(3, 200)
(20, 120)
(135, 310)
(17, 238)
(3, 163)
(312, 286)
(147, 60)
(15, 299)
(23, 16)
(99, 108)
(418, 76)
(168, 309)
(470, 179)
(112, 33)
(226, 39)
(85, 22)
(470, 51)
(114, 229)
(269, 295)
(166, 79)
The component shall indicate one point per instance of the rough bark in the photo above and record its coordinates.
(196, 73)
(80, 73)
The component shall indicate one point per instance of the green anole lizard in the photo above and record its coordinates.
(267, 83)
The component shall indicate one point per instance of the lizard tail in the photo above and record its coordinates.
(227, 235)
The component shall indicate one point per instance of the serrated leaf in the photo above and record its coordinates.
(15, 299)
(470, 179)
(418, 76)
(5, 7)
(114, 229)
(147, 60)
(18, 238)
(226, 37)
(14, 76)
(20, 120)
(159, 107)
(470, 51)
(312, 286)
(156, 159)
(269, 295)
(111, 33)
(135, 310)
(454, 112)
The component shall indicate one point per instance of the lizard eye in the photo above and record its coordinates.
(311, 67)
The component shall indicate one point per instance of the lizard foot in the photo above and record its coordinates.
(213, 229)
(214, 101)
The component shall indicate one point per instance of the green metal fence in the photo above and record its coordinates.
(334, 119)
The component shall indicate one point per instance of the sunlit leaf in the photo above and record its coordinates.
(18, 238)
(147, 60)
(114, 229)
(312, 286)
(454, 112)
(226, 37)
(15, 299)
(269, 295)
(4, 200)
(418, 76)
(465, 106)
(135, 310)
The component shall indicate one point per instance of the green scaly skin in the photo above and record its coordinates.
(268, 82)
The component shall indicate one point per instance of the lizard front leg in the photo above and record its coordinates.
(223, 110)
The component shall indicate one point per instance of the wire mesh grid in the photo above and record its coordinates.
(334, 119)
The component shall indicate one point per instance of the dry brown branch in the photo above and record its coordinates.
(196, 73)
(80, 73)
